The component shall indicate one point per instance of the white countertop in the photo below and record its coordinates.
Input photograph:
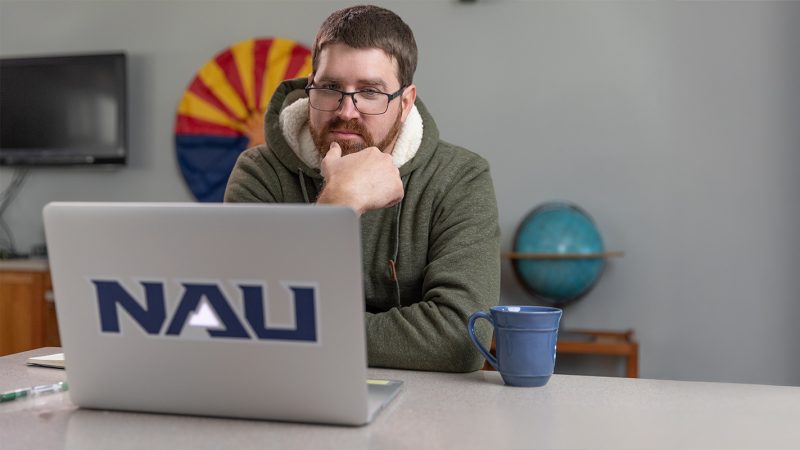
(439, 410)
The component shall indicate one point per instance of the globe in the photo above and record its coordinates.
(558, 253)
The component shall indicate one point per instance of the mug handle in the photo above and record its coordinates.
(471, 331)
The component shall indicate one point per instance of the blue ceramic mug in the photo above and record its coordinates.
(525, 342)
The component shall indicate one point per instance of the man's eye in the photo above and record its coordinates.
(370, 93)
(330, 86)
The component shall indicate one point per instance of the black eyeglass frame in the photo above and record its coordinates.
(390, 97)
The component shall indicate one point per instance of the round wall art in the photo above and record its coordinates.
(221, 113)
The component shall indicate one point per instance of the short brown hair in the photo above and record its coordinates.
(368, 26)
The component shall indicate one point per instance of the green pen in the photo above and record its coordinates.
(32, 392)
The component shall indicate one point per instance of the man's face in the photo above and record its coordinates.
(350, 69)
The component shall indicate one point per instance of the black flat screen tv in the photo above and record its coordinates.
(63, 110)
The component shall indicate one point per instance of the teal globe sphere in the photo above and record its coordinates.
(554, 245)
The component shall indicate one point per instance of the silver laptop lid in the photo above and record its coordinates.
(228, 310)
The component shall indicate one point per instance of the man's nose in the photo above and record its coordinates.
(347, 110)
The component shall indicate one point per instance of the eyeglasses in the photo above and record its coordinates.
(370, 102)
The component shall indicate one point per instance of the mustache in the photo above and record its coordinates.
(349, 125)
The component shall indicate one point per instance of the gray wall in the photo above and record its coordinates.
(676, 125)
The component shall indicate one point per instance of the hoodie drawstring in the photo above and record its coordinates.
(303, 185)
(393, 261)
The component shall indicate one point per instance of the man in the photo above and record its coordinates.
(354, 133)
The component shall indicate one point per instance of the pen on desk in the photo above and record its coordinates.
(35, 391)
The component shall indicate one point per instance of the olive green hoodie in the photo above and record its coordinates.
(429, 262)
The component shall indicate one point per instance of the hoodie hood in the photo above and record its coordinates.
(287, 133)
(296, 132)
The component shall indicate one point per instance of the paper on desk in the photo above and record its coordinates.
(56, 360)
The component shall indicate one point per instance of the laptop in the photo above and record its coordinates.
(232, 310)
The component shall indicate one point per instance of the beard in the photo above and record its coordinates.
(322, 139)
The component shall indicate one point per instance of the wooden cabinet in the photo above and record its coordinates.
(27, 311)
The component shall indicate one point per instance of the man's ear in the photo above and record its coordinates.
(408, 98)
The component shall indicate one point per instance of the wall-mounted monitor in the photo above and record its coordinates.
(63, 110)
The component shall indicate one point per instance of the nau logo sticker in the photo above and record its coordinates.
(205, 305)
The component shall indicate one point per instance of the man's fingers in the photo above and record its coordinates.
(334, 151)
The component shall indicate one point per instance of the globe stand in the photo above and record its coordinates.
(558, 257)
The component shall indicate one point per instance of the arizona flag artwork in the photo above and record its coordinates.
(221, 113)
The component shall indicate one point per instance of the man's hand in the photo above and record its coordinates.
(365, 180)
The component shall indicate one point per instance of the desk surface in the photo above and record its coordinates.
(437, 410)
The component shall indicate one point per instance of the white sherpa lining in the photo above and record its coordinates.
(294, 124)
